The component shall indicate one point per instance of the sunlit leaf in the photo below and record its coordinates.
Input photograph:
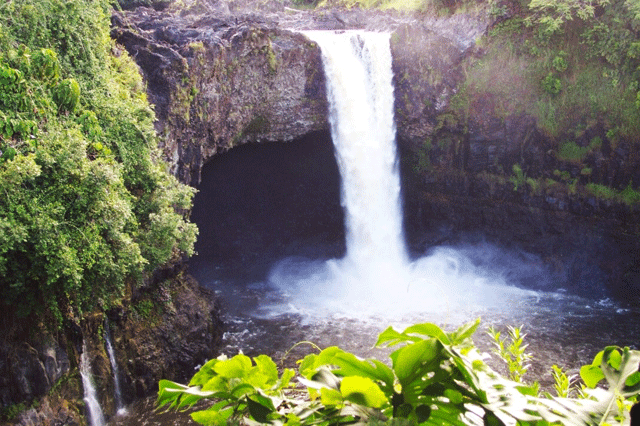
(591, 375)
(415, 360)
(391, 337)
(428, 330)
(241, 390)
(363, 391)
(454, 396)
(212, 417)
(330, 397)
(350, 365)
(464, 332)
(238, 366)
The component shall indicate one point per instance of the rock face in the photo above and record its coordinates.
(168, 327)
(217, 82)
(166, 332)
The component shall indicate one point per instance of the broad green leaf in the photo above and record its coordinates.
(350, 365)
(180, 396)
(445, 414)
(323, 378)
(416, 360)
(307, 366)
(285, 379)
(326, 356)
(454, 396)
(390, 337)
(212, 417)
(169, 392)
(463, 332)
(490, 419)
(362, 391)
(423, 412)
(591, 375)
(241, 390)
(260, 407)
(428, 330)
(330, 397)
(617, 368)
(268, 371)
(612, 357)
(633, 379)
(527, 390)
(236, 367)
(216, 383)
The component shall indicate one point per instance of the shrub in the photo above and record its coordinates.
(435, 378)
(551, 84)
(89, 206)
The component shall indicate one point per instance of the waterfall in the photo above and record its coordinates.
(363, 133)
(357, 65)
(96, 418)
(114, 368)
(376, 276)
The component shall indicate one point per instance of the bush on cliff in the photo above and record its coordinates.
(87, 204)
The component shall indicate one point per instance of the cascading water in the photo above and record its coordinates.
(114, 368)
(96, 417)
(376, 275)
(363, 133)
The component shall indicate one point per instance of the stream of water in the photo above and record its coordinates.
(347, 301)
(120, 408)
(94, 411)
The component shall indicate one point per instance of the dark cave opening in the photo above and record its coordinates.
(259, 203)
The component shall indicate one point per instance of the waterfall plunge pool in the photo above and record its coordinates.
(325, 260)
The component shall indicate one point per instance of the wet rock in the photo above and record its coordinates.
(165, 333)
(29, 368)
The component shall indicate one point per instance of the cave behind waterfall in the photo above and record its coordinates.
(258, 203)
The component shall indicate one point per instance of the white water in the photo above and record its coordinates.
(96, 417)
(120, 409)
(376, 276)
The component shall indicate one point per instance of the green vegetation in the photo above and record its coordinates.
(9, 412)
(87, 204)
(421, 6)
(435, 378)
(573, 67)
(512, 350)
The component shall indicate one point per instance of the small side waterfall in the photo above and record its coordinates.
(114, 368)
(96, 417)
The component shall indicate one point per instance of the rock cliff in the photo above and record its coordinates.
(219, 80)
(164, 330)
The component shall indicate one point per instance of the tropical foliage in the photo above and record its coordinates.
(86, 203)
(435, 378)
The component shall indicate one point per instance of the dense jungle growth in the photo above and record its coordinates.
(87, 207)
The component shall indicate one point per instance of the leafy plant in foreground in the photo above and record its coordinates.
(435, 378)
(512, 351)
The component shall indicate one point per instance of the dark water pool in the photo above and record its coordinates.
(561, 328)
